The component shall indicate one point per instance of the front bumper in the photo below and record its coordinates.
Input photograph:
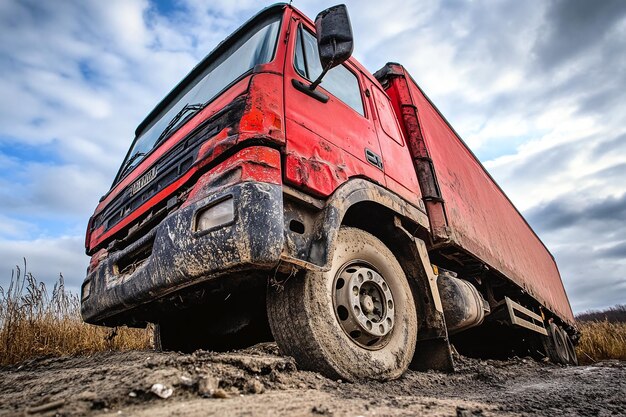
(180, 258)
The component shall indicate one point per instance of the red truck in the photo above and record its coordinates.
(281, 191)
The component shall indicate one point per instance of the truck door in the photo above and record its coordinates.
(329, 135)
(400, 174)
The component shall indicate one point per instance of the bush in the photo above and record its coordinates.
(36, 323)
(601, 340)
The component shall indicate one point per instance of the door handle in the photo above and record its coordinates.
(373, 158)
(316, 94)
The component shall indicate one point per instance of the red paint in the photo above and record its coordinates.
(262, 90)
(325, 141)
(396, 157)
(264, 113)
(476, 214)
(98, 236)
(256, 163)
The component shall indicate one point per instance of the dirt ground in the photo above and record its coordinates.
(258, 381)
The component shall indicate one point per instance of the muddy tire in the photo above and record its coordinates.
(557, 345)
(571, 350)
(235, 323)
(357, 321)
(168, 337)
(156, 338)
(549, 347)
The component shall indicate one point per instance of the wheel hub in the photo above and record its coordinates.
(364, 305)
(367, 304)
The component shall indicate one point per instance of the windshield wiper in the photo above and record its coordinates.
(186, 108)
(129, 163)
(172, 123)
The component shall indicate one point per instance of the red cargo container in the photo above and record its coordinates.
(468, 211)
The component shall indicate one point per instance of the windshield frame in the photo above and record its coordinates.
(196, 75)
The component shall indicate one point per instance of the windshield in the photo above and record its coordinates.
(255, 46)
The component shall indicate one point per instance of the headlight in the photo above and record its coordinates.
(215, 215)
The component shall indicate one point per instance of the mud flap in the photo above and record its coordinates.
(432, 350)
(433, 354)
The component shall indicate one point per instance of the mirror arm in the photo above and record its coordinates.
(317, 82)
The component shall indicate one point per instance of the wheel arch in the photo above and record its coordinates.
(403, 228)
(354, 204)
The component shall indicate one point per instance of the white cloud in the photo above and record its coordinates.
(46, 258)
(13, 228)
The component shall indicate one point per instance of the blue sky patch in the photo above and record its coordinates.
(46, 153)
(165, 7)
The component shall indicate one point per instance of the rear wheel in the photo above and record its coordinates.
(356, 321)
(571, 350)
(556, 345)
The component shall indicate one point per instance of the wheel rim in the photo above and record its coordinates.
(364, 305)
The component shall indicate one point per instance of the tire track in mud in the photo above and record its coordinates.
(258, 381)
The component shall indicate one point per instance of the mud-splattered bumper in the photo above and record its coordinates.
(177, 256)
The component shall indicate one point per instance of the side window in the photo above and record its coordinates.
(386, 115)
(339, 81)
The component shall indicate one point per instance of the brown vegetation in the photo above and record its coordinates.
(601, 340)
(34, 323)
(603, 334)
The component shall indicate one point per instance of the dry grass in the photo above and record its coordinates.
(34, 323)
(601, 340)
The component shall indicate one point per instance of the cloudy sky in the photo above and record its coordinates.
(536, 88)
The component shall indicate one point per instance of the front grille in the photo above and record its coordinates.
(170, 167)
(133, 260)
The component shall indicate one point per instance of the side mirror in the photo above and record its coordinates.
(334, 38)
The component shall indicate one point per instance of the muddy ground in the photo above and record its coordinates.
(258, 381)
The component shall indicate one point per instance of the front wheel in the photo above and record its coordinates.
(356, 321)
(219, 324)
